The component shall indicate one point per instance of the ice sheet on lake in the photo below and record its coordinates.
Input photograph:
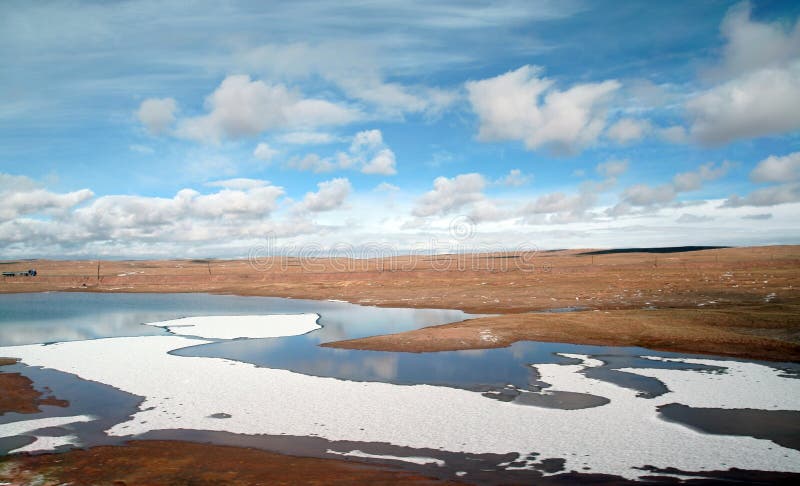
(232, 327)
(740, 385)
(412, 459)
(183, 392)
(42, 443)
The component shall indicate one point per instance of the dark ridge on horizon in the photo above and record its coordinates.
(666, 249)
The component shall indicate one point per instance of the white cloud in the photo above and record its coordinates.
(239, 184)
(386, 187)
(264, 152)
(612, 168)
(628, 130)
(514, 178)
(674, 134)
(693, 218)
(157, 114)
(693, 180)
(331, 195)
(241, 107)
(783, 172)
(753, 45)
(777, 169)
(16, 183)
(15, 203)
(450, 194)
(653, 197)
(381, 163)
(767, 196)
(646, 195)
(313, 163)
(21, 196)
(761, 103)
(307, 138)
(142, 149)
(759, 82)
(757, 217)
(367, 153)
(522, 105)
(354, 69)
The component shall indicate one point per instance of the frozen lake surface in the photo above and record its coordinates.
(254, 375)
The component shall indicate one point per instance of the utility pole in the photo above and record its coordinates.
(98, 271)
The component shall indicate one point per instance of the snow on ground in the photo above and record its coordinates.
(184, 392)
(412, 459)
(42, 443)
(740, 385)
(233, 327)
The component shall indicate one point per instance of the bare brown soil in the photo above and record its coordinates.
(735, 301)
(17, 393)
(186, 463)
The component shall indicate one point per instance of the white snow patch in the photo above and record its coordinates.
(616, 438)
(47, 443)
(741, 385)
(232, 327)
(486, 335)
(413, 459)
(26, 427)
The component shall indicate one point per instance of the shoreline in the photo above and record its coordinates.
(741, 302)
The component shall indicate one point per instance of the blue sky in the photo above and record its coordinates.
(138, 129)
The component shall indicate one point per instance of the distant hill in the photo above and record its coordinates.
(666, 249)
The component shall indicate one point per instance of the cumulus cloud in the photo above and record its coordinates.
(354, 69)
(514, 178)
(758, 90)
(757, 217)
(307, 138)
(645, 195)
(313, 163)
(522, 105)
(264, 152)
(242, 107)
(238, 184)
(674, 134)
(21, 196)
(612, 168)
(767, 196)
(157, 114)
(783, 172)
(751, 46)
(628, 130)
(693, 218)
(382, 163)
(450, 194)
(761, 103)
(331, 195)
(367, 153)
(777, 169)
(693, 180)
(386, 187)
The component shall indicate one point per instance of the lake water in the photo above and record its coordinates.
(503, 374)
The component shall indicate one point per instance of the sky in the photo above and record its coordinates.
(238, 128)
